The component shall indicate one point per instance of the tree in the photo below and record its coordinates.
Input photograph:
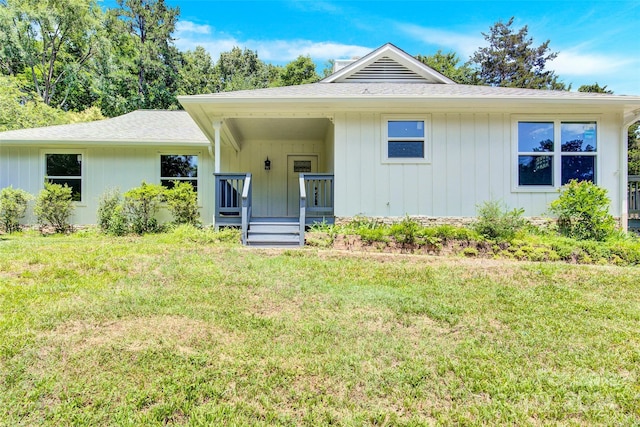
(595, 88)
(299, 71)
(49, 43)
(447, 64)
(510, 60)
(197, 73)
(242, 69)
(148, 52)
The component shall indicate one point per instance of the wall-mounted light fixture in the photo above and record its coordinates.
(267, 164)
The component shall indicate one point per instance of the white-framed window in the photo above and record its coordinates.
(179, 167)
(405, 139)
(65, 167)
(552, 152)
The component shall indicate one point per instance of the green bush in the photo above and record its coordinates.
(405, 231)
(107, 207)
(13, 206)
(583, 211)
(182, 201)
(140, 206)
(54, 206)
(495, 222)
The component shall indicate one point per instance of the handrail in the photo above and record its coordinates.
(246, 207)
(303, 208)
(633, 194)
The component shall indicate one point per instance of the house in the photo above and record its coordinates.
(384, 136)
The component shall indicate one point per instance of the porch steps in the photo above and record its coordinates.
(274, 233)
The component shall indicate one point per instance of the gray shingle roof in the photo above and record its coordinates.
(404, 90)
(142, 126)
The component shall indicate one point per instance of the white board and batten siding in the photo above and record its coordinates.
(269, 188)
(104, 168)
(472, 159)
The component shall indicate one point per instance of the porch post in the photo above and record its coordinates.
(217, 126)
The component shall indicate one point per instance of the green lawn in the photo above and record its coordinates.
(171, 329)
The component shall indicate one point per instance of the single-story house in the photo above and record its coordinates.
(384, 136)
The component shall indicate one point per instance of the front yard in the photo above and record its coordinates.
(180, 329)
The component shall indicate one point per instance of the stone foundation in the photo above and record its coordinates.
(434, 221)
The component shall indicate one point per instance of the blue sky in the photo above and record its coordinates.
(597, 41)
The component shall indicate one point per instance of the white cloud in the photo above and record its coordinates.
(189, 35)
(574, 63)
(188, 27)
(462, 44)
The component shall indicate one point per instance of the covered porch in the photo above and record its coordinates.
(273, 176)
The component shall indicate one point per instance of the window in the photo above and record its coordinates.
(553, 152)
(65, 169)
(178, 168)
(405, 140)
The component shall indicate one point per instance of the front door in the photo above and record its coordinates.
(297, 164)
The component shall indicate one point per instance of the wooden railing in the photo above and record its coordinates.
(316, 200)
(633, 195)
(233, 200)
(319, 201)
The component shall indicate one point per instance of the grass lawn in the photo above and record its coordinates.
(164, 329)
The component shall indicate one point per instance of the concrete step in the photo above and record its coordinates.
(272, 240)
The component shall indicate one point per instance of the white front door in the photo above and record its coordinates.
(297, 164)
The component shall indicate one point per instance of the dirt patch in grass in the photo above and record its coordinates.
(181, 333)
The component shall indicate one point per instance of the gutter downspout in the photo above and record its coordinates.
(624, 170)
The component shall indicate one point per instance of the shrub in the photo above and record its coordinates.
(13, 206)
(182, 200)
(107, 206)
(495, 222)
(583, 211)
(405, 231)
(141, 205)
(54, 206)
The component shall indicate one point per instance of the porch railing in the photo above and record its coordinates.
(633, 189)
(232, 200)
(633, 198)
(319, 202)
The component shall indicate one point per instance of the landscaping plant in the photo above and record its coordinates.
(495, 222)
(13, 206)
(583, 211)
(54, 207)
(141, 204)
(182, 201)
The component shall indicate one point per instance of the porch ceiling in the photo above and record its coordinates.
(280, 129)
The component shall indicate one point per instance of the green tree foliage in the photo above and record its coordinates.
(595, 88)
(449, 65)
(54, 207)
(583, 211)
(144, 48)
(511, 60)
(49, 44)
(242, 69)
(300, 71)
(634, 149)
(197, 73)
(13, 206)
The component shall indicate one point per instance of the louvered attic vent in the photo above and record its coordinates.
(385, 69)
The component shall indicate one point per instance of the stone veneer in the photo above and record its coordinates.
(434, 221)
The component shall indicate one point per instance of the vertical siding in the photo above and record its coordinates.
(270, 187)
(104, 168)
(472, 161)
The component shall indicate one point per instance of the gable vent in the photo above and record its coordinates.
(387, 70)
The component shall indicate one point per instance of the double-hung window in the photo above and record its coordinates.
(65, 168)
(174, 167)
(553, 152)
(405, 139)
